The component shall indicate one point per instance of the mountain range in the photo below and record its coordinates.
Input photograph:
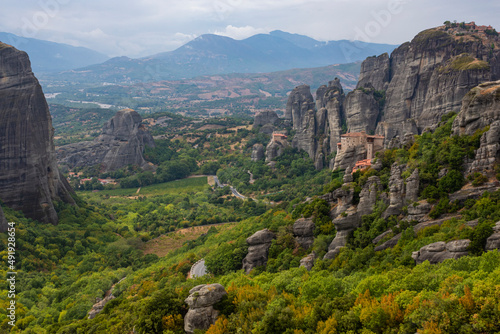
(213, 54)
(48, 56)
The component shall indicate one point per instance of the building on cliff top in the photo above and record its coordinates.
(372, 143)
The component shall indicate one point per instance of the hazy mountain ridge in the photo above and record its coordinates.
(48, 56)
(213, 54)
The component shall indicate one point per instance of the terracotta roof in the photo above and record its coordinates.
(279, 135)
(376, 136)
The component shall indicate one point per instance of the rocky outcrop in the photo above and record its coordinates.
(299, 102)
(308, 261)
(99, 305)
(440, 251)
(375, 72)
(318, 125)
(348, 157)
(480, 108)
(488, 152)
(265, 117)
(29, 177)
(493, 242)
(121, 143)
(412, 187)
(275, 148)
(303, 230)
(368, 196)
(396, 191)
(258, 249)
(428, 77)
(418, 210)
(3, 222)
(201, 314)
(258, 152)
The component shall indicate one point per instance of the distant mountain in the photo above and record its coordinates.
(214, 54)
(48, 56)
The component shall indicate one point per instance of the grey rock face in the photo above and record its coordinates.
(201, 314)
(419, 211)
(493, 242)
(258, 152)
(258, 249)
(308, 261)
(480, 107)
(440, 251)
(348, 157)
(396, 191)
(99, 306)
(299, 102)
(265, 117)
(361, 111)
(305, 138)
(29, 177)
(275, 148)
(368, 195)
(303, 229)
(375, 72)
(488, 152)
(423, 81)
(120, 143)
(412, 187)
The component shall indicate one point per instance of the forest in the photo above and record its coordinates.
(99, 246)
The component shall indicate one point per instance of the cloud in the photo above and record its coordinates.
(241, 32)
(140, 28)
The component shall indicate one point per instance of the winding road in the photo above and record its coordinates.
(198, 269)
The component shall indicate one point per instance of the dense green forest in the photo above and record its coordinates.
(100, 245)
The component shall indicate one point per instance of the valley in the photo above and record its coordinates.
(352, 198)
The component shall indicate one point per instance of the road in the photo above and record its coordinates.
(198, 269)
(236, 193)
(216, 179)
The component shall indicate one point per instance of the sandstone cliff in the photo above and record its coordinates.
(29, 177)
(121, 143)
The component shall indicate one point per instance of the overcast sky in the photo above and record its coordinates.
(144, 27)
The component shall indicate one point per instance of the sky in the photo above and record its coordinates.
(141, 28)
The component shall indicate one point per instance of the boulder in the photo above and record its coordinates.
(332, 253)
(201, 314)
(368, 195)
(439, 251)
(275, 148)
(258, 249)
(303, 229)
(493, 242)
(308, 261)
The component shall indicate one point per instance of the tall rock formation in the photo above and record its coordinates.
(428, 77)
(121, 143)
(318, 124)
(29, 176)
(481, 108)
(258, 249)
